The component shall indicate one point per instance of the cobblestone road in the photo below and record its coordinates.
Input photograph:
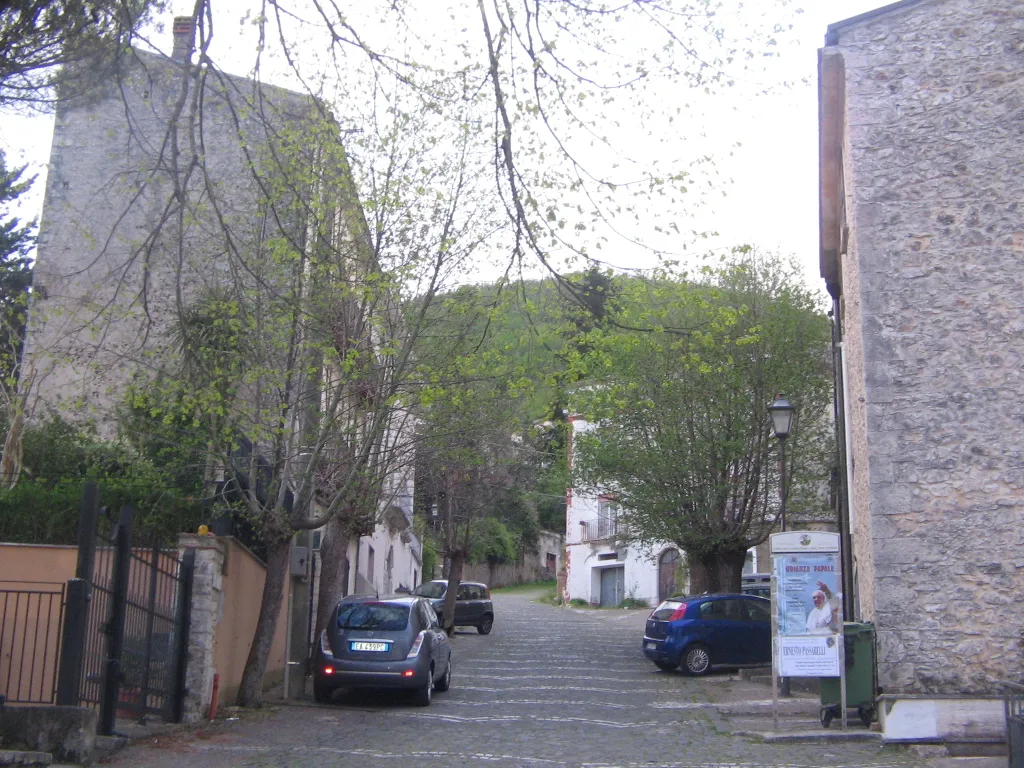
(549, 688)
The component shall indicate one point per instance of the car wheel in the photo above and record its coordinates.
(445, 682)
(322, 693)
(697, 660)
(484, 627)
(666, 666)
(425, 693)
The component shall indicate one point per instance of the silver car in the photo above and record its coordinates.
(383, 643)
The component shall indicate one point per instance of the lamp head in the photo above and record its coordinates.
(782, 416)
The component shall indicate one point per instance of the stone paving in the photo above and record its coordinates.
(550, 687)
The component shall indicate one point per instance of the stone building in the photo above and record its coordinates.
(172, 182)
(922, 247)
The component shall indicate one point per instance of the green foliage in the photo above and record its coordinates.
(43, 508)
(38, 37)
(17, 239)
(681, 432)
(634, 602)
(493, 543)
(429, 555)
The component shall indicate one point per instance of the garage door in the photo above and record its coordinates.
(613, 586)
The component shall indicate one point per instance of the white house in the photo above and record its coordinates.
(601, 568)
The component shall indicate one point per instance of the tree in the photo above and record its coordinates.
(70, 43)
(17, 240)
(469, 460)
(680, 432)
(284, 259)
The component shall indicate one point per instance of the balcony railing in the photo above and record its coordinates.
(602, 528)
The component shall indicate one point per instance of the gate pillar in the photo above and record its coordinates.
(206, 609)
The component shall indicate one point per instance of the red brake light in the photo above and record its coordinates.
(678, 613)
(328, 670)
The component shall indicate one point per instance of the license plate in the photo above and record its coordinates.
(362, 646)
(651, 646)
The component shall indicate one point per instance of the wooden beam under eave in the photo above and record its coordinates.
(831, 105)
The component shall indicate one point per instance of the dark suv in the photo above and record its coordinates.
(473, 606)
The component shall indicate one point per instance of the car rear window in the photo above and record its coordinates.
(664, 611)
(431, 589)
(384, 617)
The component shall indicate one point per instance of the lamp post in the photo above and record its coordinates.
(782, 420)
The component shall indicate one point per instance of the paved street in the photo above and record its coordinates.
(549, 687)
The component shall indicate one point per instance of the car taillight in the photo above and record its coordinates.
(325, 644)
(417, 644)
(678, 613)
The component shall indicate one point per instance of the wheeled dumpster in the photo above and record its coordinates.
(859, 638)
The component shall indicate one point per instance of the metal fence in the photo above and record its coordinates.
(601, 528)
(30, 630)
(126, 624)
(1015, 724)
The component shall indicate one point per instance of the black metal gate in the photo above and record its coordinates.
(126, 623)
(1015, 723)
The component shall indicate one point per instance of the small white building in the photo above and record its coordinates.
(600, 567)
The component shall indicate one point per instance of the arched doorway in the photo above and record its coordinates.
(668, 570)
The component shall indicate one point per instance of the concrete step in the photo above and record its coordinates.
(25, 759)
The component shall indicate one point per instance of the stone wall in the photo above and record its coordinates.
(132, 230)
(932, 287)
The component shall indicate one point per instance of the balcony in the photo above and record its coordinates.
(596, 530)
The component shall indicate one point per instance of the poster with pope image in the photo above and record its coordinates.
(809, 610)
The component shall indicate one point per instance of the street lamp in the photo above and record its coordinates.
(782, 421)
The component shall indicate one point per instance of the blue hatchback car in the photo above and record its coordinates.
(698, 633)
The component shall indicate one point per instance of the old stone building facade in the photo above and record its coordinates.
(172, 184)
(159, 192)
(922, 250)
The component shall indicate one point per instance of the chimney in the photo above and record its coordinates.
(184, 39)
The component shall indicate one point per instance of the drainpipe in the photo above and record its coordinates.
(846, 511)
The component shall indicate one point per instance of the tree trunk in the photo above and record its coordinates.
(730, 569)
(333, 571)
(703, 574)
(250, 691)
(454, 578)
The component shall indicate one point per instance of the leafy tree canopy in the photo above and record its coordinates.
(679, 426)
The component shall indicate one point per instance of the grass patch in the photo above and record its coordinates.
(634, 602)
(530, 587)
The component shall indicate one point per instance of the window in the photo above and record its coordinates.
(758, 611)
(369, 564)
(607, 517)
(463, 593)
(375, 616)
(432, 589)
(713, 610)
(428, 616)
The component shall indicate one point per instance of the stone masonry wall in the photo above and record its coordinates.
(933, 289)
(113, 250)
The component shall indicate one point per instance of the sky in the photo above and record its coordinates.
(766, 148)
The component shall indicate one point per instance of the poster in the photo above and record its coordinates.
(808, 605)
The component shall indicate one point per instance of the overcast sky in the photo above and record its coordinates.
(772, 198)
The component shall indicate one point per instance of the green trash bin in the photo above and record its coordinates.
(860, 676)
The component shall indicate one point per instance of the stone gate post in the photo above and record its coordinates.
(207, 607)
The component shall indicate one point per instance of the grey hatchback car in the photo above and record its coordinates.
(473, 607)
(383, 643)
